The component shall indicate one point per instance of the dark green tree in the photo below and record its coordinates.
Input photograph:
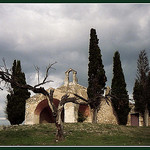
(141, 88)
(138, 97)
(120, 98)
(96, 75)
(15, 109)
(147, 91)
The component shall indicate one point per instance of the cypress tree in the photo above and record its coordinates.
(96, 74)
(138, 97)
(147, 91)
(141, 87)
(120, 98)
(15, 109)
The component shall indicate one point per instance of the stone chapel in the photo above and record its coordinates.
(37, 109)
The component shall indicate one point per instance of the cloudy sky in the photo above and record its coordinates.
(39, 34)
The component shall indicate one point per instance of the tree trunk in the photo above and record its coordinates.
(94, 119)
(59, 124)
(146, 116)
(59, 133)
(57, 116)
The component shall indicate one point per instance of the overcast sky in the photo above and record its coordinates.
(39, 34)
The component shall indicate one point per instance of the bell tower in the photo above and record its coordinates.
(75, 80)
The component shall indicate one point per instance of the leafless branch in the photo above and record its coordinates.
(38, 72)
(5, 67)
(107, 98)
(81, 97)
(7, 78)
(47, 70)
(42, 83)
(66, 99)
(46, 74)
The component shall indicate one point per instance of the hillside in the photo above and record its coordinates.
(75, 134)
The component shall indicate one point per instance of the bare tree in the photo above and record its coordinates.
(6, 77)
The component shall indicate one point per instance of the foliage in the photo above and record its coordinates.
(16, 100)
(76, 134)
(147, 91)
(120, 98)
(142, 67)
(142, 84)
(96, 72)
(138, 96)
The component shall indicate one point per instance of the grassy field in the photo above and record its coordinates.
(85, 134)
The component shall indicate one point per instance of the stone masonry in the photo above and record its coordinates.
(37, 110)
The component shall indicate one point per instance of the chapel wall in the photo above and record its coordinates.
(106, 114)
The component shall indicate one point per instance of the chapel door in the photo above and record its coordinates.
(135, 119)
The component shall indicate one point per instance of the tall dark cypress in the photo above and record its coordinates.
(96, 74)
(138, 95)
(141, 92)
(148, 92)
(120, 98)
(15, 109)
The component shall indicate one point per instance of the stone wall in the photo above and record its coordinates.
(106, 114)
(36, 105)
(132, 111)
(71, 112)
